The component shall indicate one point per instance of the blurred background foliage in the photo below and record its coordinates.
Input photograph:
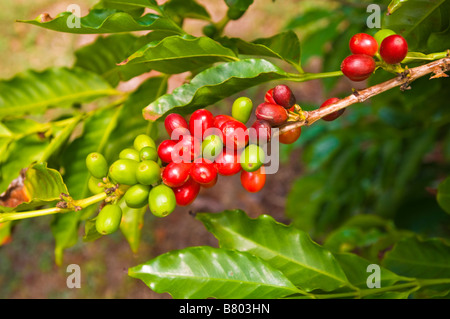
(357, 184)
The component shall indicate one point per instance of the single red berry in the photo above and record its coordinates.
(186, 193)
(260, 132)
(268, 98)
(165, 149)
(203, 172)
(220, 119)
(283, 95)
(227, 163)
(272, 113)
(173, 122)
(290, 136)
(212, 183)
(334, 115)
(200, 121)
(363, 43)
(358, 67)
(253, 181)
(186, 149)
(234, 134)
(176, 174)
(393, 49)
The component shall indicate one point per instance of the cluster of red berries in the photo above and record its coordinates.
(206, 146)
(385, 45)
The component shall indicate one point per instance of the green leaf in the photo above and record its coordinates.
(181, 9)
(131, 224)
(214, 84)
(5, 232)
(124, 134)
(416, 20)
(178, 54)
(356, 269)
(40, 185)
(203, 272)
(34, 92)
(20, 152)
(412, 257)
(285, 46)
(305, 263)
(104, 21)
(443, 195)
(102, 57)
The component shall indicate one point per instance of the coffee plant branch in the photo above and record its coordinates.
(403, 80)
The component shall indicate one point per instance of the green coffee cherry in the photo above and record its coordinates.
(108, 220)
(123, 171)
(97, 165)
(161, 200)
(242, 109)
(148, 172)
(381, 35)
(137, 196)
(148, 153)
(129, 153)
(93, 185)
(210, 30)
(142, 141)
(235, 13)
(212, 146)
(252, 158)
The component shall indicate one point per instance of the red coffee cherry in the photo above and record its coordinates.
(220, 119)
(176, 174)
(260, 132)
(227, 163)
(363, 43)
(203, 172)
(334, 115)
(200, 121)
(290, 136)
(358, 67)
(176, 121)
(268, 98)
(274, 114)
(253, 181)
(186, 149)
(212, 183)
(165, 149)
(393, 49)
(234, 134)
(186, 193)
(283, 96)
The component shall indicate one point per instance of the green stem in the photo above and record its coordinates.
(312, 76)
(83, 203)
(417, 284)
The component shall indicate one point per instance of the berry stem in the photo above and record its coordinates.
(82, 203)
(438, 67)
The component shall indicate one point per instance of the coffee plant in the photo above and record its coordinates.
(374, 192)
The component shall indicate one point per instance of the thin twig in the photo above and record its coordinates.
(403, 81)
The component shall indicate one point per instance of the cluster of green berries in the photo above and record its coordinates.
(136, 175)
(385, 45)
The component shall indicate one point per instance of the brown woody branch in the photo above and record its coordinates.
(403, 80)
